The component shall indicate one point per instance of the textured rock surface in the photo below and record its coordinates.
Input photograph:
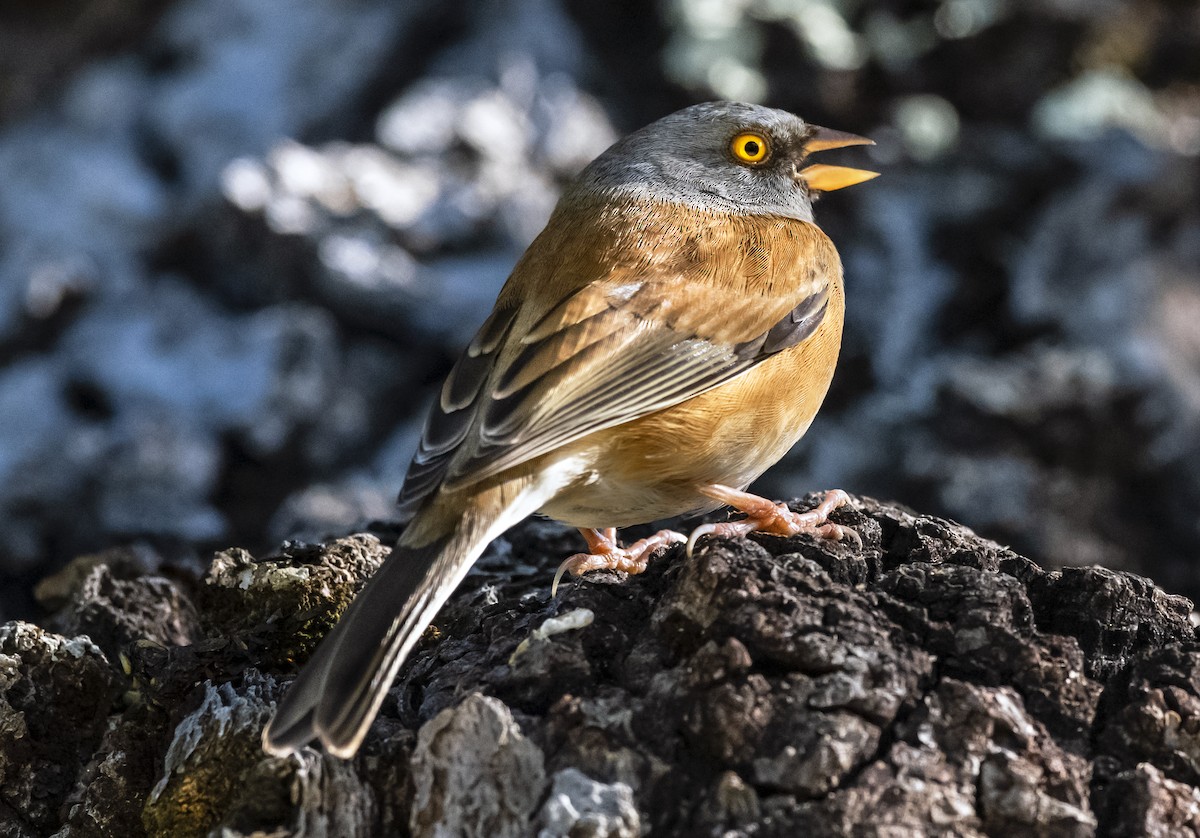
(55, 698)
(578, 805)
(475, 773)
(931, 682)
(238, 250)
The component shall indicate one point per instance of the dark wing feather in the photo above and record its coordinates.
(450, 419)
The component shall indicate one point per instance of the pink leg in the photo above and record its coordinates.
(605, 553)
(764, 516)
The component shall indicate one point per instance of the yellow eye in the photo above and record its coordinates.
(750, 147)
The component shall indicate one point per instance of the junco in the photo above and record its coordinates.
(665, 340)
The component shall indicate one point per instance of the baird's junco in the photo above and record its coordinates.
(665, 340)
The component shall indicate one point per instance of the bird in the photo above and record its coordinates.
(667, 337)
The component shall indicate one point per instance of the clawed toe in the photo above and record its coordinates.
(764, 516)
(837, 532)
(608, 555)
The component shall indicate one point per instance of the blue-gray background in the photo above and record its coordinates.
(240, 240)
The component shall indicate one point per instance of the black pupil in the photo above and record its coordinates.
(751, 148)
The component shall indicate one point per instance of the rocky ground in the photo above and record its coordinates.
(930, 683)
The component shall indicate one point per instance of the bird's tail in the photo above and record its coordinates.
(338, 693)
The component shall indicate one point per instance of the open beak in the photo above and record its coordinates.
(822, 178)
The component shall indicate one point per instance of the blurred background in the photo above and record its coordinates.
(241, 241)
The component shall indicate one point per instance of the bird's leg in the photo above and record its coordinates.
(606, 553)
(764, 516)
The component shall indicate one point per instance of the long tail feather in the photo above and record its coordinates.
(337, 695)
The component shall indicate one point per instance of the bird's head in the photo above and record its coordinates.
(726, 156)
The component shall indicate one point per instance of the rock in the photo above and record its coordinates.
(579, 806)
(932, 682)
(239, 252)
(251, 600)
(56, 694)
(1145, 802)
(475, 773)
(116, 598)
(116, 160)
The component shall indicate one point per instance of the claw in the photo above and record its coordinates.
(558, 575)
(697, 534)
(576, 565)
(726, 529)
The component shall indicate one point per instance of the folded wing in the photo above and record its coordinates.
(644, 335)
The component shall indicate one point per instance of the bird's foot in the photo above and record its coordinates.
(763, 515)
(606, 553)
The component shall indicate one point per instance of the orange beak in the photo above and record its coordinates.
(822, 178)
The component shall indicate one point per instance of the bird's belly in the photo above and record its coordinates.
(654, 466)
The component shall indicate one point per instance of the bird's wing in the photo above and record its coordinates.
(641, 336)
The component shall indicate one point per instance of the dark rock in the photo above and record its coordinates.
(237, 255)
(931, 682)
(213, 774)
(1144, 802)
(56, 695)
(281, 606)
(116, 600)
(1153, 713)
